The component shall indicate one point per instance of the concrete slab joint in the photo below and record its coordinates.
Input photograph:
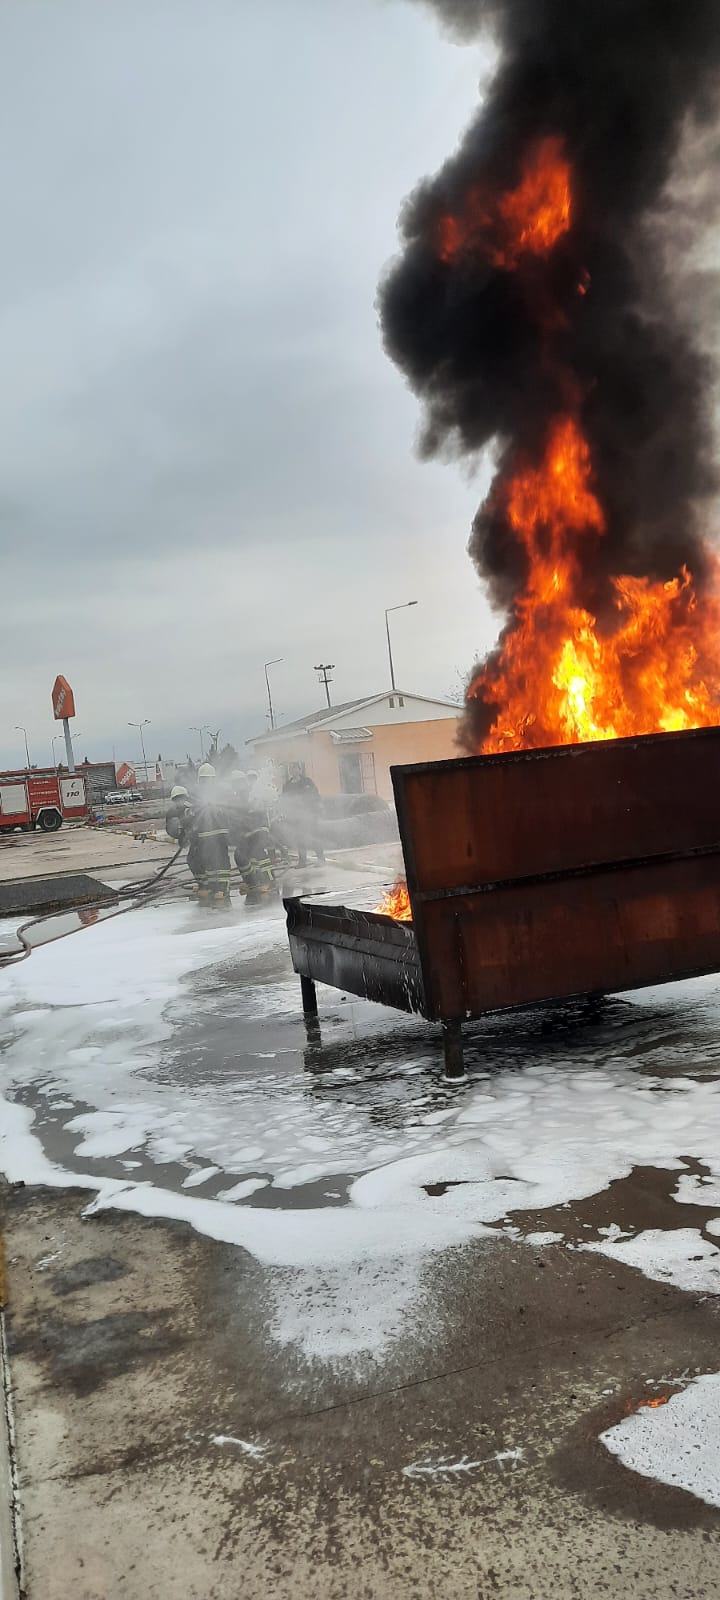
(11, 1565)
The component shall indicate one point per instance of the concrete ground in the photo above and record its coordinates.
(103, 852)
(208, 1419)
(167, 1448)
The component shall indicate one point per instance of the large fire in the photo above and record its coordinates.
(527, 220)
(396, 902)
(560, 679)
(560, 676)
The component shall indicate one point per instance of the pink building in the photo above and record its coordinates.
(349, 749)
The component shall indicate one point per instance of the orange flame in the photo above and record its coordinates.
(633, 1406)
(396, 902)
(528, 220)
(560, 678)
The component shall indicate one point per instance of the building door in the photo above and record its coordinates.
(350, 773)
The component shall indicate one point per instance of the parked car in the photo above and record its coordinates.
(121, 797)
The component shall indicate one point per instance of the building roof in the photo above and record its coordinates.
(329, 714)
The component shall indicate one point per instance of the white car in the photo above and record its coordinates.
(121, 797)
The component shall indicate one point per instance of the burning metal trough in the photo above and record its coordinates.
(535, 876)
(539, 303)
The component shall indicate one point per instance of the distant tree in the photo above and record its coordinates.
(226, 761)
(456, 692)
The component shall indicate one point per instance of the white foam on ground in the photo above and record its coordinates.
(202, 1176)
(91, 1019)
(678, 1443)
(679, 1256)
(242, 1190)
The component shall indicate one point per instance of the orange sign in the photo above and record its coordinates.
(126, 775)
(63, 700)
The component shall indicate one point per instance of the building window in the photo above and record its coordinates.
(357, 772)
(401, 701)
(367, 765)
(391, 702)
(285, 769)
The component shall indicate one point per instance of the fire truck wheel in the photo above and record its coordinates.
(49, 821)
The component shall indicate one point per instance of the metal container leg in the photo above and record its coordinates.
(309, 997)
(453, 1047)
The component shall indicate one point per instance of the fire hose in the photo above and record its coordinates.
(134, 893)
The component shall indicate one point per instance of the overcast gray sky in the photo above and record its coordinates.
(206, 460)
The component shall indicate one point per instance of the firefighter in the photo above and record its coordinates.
(301, 808)
(208, 854)
(240, 788)
(179, 813)
(256, 852)
(255, 859)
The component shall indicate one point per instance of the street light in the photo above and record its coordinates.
(140, 725)
(54, 741)
(20, 729)
(201, 731)
(274, 663)
(404, 607)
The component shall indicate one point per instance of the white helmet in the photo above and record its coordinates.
(206, 771)
(179, 793)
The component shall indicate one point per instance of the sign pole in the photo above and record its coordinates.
(63, 704)
(68, 744)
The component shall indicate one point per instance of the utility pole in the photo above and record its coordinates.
(274, 663)
(404, 607)
(323, 672)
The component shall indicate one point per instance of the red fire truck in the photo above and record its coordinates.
(31, 799)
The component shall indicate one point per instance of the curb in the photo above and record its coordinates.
(11, 1585)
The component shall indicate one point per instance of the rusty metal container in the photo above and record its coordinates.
(545, 874)
(362, 952)
(536, 876)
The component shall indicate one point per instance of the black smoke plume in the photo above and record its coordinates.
(623, 83)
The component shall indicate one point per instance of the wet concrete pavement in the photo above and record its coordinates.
(167, 1447)
(78, 848)
(178, 1433)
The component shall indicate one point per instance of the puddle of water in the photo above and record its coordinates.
(642, 1200)
(46, 929)
(56, 925)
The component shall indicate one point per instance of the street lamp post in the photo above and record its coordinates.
(54, 741)
(201, 731)
(404, 607)
(140, 725)
(274, 663)
(20, 729)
